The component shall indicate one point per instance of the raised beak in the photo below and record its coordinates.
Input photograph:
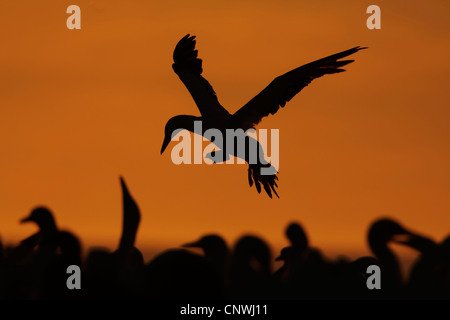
(165, 144)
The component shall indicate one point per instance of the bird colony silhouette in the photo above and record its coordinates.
(36, 267)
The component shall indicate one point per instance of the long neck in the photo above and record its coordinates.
(389, 263)
(48, 228)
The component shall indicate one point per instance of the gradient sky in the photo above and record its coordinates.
(78, 108)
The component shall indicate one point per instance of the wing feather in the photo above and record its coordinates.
(189, 68)
(283, 88)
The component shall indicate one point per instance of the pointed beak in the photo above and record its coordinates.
(25, 219)
(403, 238)
(415, 241)
(165, 144)
(124, 186)
(191, 245)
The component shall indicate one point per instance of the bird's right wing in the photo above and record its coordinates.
(188, 67)
(286, 86)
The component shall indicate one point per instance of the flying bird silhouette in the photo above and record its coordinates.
(282, 89)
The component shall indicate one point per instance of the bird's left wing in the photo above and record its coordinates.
(286, 86)
(189, 69)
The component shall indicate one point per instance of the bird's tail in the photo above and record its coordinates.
(265, 175)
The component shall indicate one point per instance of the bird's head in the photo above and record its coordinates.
(285, 254)
(385, 230)
(210, 244)
(42, 217)
(174, 126)
(296, 235)
(252, 252)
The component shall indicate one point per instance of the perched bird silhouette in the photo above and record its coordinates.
(381, 233)
(294, 254)
(306, 272)
(48, 237)
(128, 261)
(119, 274)
(282, 89)
(251, 269)
(131, 220)
(56, 250)
(216, 252)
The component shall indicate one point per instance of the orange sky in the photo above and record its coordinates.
(78, 108)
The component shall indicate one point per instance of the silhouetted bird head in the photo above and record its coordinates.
(384, 230)
(252, 252)
(286, 254)
(174, 126)
(211, 244)
(297, 235)
(43, 218)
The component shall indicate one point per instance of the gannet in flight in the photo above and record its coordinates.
(282, 89)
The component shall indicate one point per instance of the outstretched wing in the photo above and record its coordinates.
(285, 87)
(188, 67)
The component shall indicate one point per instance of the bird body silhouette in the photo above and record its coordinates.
(250, 275)
(282, 89)
(179, 274)
(386, 230)
(216, 252)
(56, 250)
